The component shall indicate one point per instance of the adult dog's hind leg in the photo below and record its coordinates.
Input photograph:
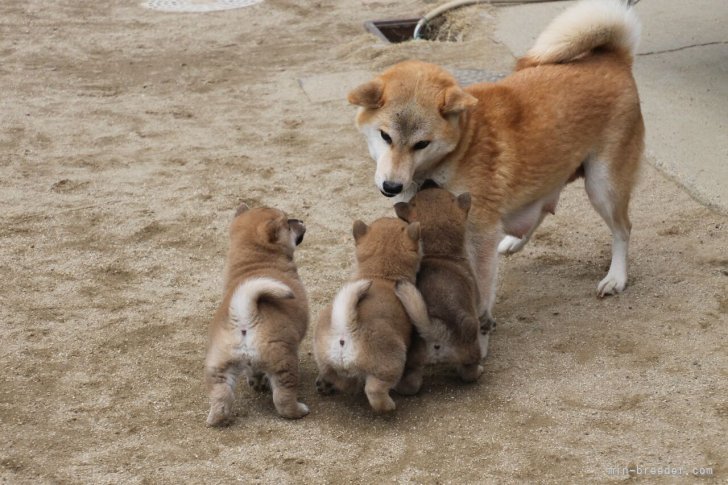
(609, 186)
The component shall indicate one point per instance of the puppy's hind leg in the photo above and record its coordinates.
(414, 367)
(328, 382)
(470, 372)
(221, 381)
(283, 378)
(609, 186)
(257, 380)
(377, 391)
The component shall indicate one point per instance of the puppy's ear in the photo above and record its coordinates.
(464, 201)
(413, 231)
(359, 229)
(242, 208)
(455, 101)
(269, 230)
(429, 184)
(368, 95)
(402, 209)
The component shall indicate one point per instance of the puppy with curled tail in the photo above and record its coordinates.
(446, 312)
(263, 316)
(365, 336)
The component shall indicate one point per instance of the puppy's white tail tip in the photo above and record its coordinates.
(344, 308)
(588, 25)
(244, 302)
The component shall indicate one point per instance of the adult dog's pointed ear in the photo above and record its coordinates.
(465, 201)
(455, 101)
(413, 231)
(402, 209)
(359, 229)
(368, 95)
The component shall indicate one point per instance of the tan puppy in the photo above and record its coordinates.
(365, 334)
(570, 109)
(449, 321)
(263, 316)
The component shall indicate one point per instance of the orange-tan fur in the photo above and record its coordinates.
(570, 108)
(450, 323)
(262, 242)
(373, 345)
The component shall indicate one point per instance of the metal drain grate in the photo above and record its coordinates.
(197, 5)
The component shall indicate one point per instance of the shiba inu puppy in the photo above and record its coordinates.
(449, 320)
(570, 109)
(263, 316)
(365, 335)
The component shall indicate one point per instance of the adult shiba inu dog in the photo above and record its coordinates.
(570, 109)
(263, 316)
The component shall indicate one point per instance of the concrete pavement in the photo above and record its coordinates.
(682, 74)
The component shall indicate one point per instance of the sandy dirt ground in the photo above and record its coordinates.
(129, 137)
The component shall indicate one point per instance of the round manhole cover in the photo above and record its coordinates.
(197, 5)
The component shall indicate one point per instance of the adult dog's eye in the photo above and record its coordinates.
(386, 137)
(420, 145)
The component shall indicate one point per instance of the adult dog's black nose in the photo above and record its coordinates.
(390, 189)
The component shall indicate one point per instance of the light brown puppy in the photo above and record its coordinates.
(364, 336)
(570, 109)
(448, 317)
(263, 316)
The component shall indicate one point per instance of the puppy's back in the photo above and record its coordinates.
(450, 292)
(365, 330)
(383, 328)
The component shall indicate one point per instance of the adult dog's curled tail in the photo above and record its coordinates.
(610, 25)
(343, 314)
(244, 302)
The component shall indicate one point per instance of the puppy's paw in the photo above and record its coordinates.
(612, 284)
(470, 373)
(510, 245)
(382, 406)
(220, 415)
(295, 412)
(409, 385)
(324, 387)
(259, 382)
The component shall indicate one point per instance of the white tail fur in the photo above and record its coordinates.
(343, 313)
(416, 309)
(609, 24)
(244, 302)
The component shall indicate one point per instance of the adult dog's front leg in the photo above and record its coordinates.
(484, 254)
